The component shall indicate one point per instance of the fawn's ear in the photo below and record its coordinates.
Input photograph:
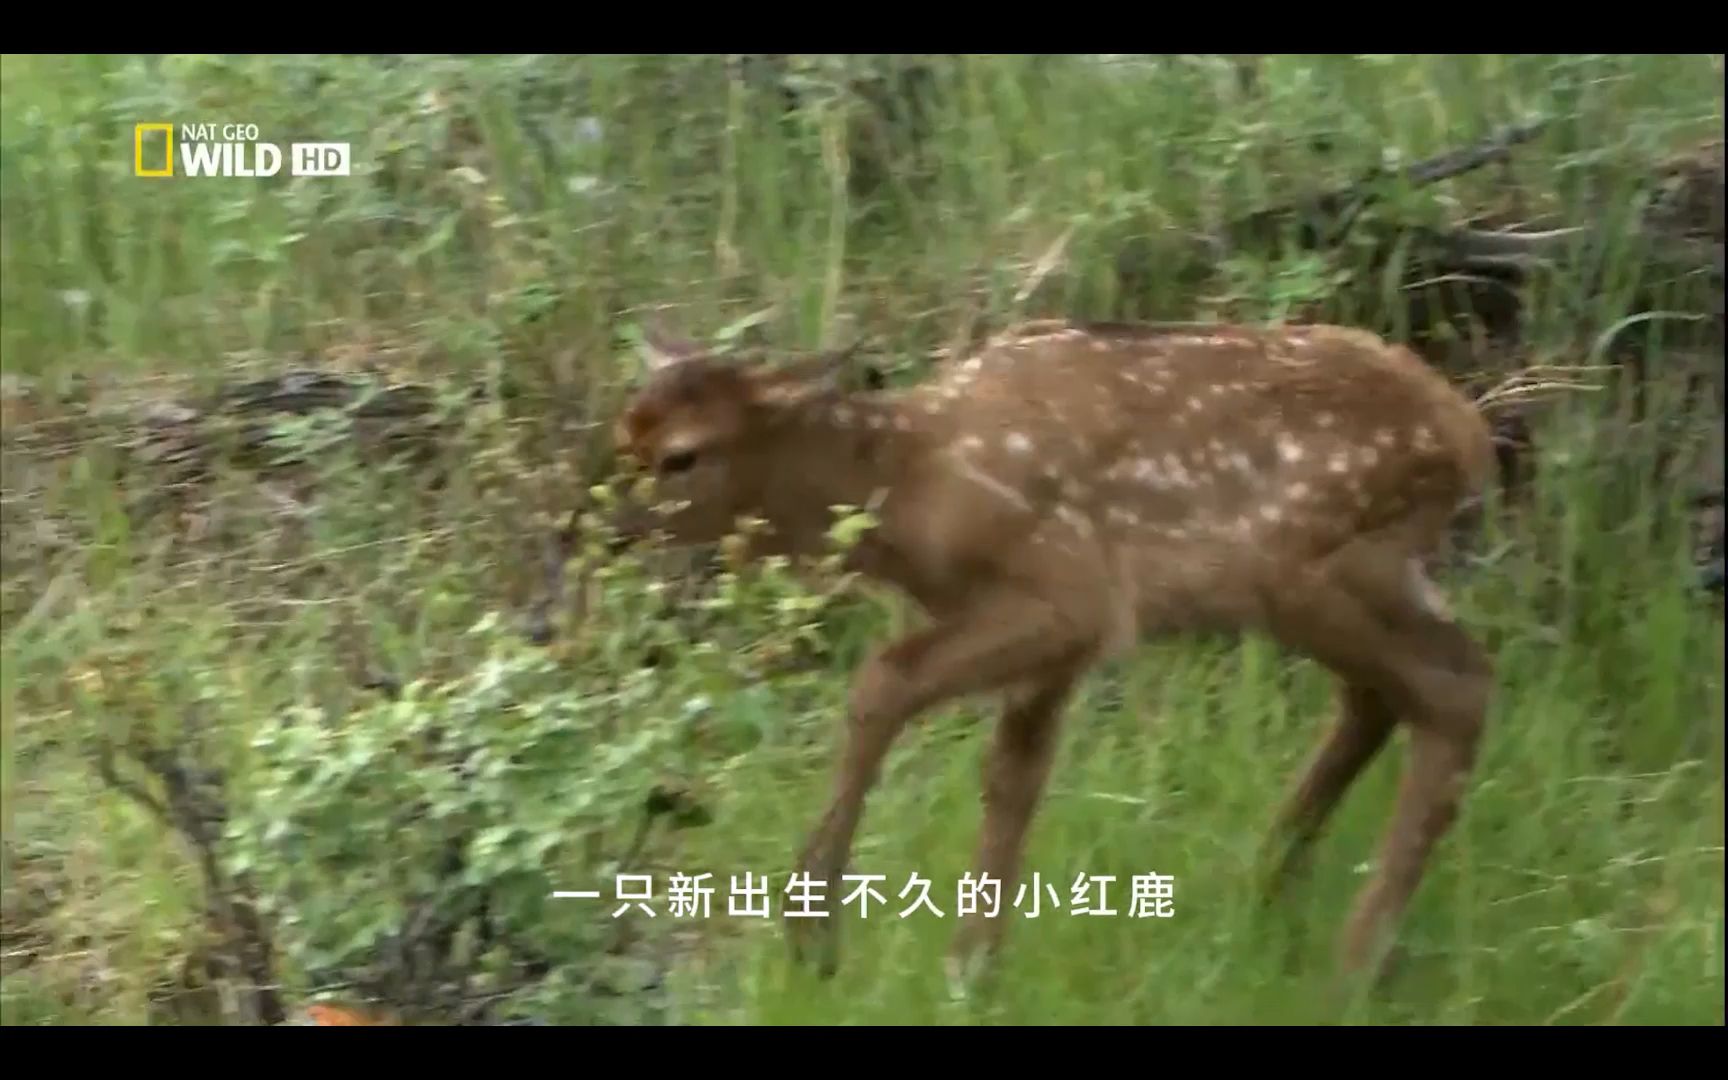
(661, 349)
(827, 373)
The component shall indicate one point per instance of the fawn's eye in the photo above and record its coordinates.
(678, 462)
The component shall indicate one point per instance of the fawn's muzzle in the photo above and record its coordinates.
(630, 522)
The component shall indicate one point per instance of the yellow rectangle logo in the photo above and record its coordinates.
(138, 131)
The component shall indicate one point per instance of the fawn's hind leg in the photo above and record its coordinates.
(1450, 679)
(1363, 725)
(1373, 617)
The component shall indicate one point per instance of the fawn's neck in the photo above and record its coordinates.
(840, 450)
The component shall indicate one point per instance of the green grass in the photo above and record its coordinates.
(484, 240)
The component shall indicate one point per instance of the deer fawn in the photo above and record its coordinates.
(1071, 488)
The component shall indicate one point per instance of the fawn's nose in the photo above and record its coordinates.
(629, 523)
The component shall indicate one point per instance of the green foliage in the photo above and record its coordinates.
(441, 801)
(466, 804)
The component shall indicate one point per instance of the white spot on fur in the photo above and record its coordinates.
(1289, 449)
(843, 415)
(1198, 340)
(1339, 463)
(1018, 443)
(1298, 490)
(984, 480)
(1055, 335)
(1271, 512)
(1074, 518)
(1325, 419)
(972, 365)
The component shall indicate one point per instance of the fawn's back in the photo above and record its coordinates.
(1167, 476)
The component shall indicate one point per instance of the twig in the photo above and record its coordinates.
(1538, 380)
(198, 814)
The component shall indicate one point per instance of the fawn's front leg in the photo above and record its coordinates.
(1015, 770)
(990, 644)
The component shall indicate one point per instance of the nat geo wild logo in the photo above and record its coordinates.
(160, 150)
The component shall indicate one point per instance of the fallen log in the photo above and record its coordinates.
(1324, 220)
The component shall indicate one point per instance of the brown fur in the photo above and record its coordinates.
(1071, 489)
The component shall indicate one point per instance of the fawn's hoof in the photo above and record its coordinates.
(1367, 964)
(814, 943)
(972, 958)
(537, 628)
(965, 970)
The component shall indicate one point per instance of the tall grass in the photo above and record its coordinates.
(509, 218)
